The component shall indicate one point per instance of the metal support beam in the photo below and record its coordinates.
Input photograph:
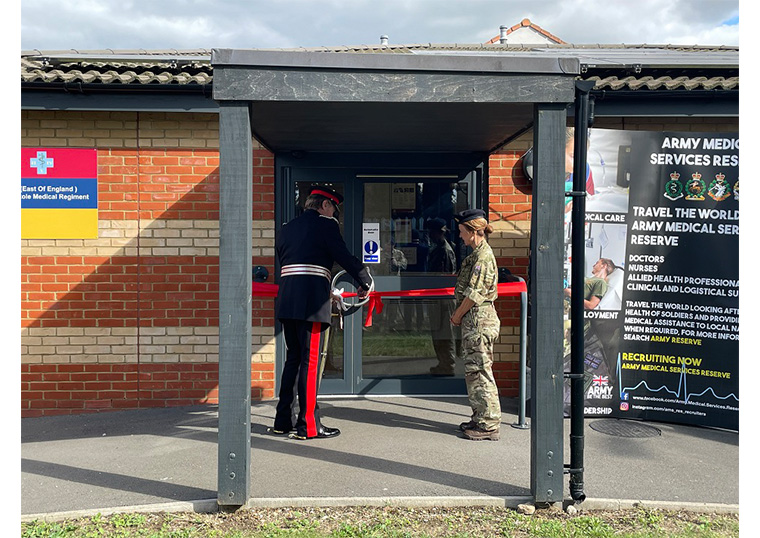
(546, 432)
(315, 86)
(235, 266)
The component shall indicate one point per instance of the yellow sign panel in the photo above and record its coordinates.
(59, 224)
(59, 193)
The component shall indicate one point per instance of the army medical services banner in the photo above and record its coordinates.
(59, 193)
(662, 277)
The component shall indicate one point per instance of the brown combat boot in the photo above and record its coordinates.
(468, 425)
(479, 434)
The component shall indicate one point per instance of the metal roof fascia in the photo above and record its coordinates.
(504, 63)
(688, 103)
(118, 102)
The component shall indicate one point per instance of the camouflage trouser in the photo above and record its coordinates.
(480, 329)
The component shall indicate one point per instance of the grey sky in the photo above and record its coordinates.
(192, 24)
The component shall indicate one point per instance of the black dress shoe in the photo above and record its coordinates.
(326, 432)
(323, 433)
(275, 431)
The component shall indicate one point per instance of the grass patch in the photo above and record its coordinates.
(397, 344)
(390, 522)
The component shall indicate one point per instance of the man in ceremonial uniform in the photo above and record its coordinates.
(307, 248)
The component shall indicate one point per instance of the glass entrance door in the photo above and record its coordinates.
(410, 347)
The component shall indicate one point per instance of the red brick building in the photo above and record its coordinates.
(130, 319)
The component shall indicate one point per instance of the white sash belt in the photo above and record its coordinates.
(305, 269)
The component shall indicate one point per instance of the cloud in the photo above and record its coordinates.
(722, 35)
(191, 24)
(642, 21)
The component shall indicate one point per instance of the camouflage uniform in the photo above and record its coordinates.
(477, 280)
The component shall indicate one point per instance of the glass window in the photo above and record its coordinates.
(413, 336)
(417, 231)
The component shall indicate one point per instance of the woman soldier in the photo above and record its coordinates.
(475, 292)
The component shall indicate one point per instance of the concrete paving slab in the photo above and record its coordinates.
(390, 448)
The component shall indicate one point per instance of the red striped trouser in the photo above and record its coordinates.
(303, 365)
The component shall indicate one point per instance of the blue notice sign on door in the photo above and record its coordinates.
(370, 251)
(371, 242)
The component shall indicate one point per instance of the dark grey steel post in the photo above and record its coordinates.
(235, 269)
(546, 238)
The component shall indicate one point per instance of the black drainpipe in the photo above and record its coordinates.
(578, 217)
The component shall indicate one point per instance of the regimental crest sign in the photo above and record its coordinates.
(41, 162)
(673, 188)
(695, 188)
(719, 188)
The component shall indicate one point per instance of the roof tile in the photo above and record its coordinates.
(194, 67)
(664, 82)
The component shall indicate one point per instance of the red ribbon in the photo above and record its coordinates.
(375, 303)
(260, 289)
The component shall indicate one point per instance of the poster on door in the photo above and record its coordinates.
(404, 197)
(661, 293)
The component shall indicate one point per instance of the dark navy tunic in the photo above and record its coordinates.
(312, 239)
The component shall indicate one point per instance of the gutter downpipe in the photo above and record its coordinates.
(577, 351)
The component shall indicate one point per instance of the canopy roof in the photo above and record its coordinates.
(425, 97)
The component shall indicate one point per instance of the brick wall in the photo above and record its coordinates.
(130, 319)
(509, 206)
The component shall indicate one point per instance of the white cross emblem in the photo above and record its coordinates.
(41, 163)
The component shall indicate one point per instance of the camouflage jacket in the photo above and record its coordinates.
(478, 277)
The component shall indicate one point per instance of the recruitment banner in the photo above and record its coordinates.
(59, 193)
(662, 277)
